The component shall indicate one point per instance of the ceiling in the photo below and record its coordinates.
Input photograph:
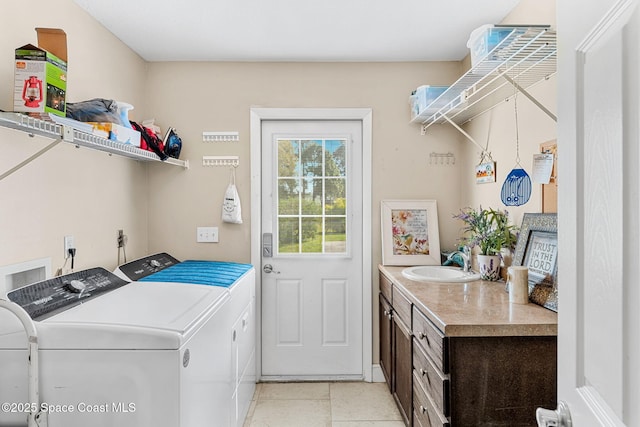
(297, 30)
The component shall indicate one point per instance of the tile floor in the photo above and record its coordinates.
(326, 404)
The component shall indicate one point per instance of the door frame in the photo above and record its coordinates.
(364, 115)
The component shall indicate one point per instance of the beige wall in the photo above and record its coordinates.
(534, 128)
(197, 97)
(91, 195)
(70, 191)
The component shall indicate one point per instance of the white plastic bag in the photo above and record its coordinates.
(231, 211)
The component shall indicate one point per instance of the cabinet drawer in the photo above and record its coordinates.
(431, 340)
(424, 410)
(431, 379)
(402, 306)
(385, 287)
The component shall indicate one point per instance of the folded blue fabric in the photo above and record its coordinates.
(210, 273)
(455, 260)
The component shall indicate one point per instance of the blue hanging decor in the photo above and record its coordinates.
(516, 189)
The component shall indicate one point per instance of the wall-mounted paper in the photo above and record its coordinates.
(542, 167)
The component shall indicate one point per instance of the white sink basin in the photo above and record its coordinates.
(438, 273)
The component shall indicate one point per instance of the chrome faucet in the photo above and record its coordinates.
(465, 254)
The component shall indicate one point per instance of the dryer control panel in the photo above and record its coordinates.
(143, 267)
(46, 298)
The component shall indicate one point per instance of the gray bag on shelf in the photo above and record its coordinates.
(95, 110)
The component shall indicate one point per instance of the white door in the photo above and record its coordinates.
(312, 249)
(599, 212)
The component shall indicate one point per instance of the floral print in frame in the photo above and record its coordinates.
(410, 233)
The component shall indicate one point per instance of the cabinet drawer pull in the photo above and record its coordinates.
(423, 336)
(425, 374)
(423, 409)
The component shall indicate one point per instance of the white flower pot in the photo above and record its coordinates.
(489, 267)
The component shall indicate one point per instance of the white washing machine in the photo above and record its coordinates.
(239, 279)
(114, 353)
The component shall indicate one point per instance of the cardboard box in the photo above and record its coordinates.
(119, 133)
(40, 78)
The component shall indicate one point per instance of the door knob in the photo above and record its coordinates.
(268, 268)
(561, 417)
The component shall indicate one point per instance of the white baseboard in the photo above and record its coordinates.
(376, 374)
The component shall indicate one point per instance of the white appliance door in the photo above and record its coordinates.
(599, 222)
(312, 273)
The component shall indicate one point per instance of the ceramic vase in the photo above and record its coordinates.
(489, 267)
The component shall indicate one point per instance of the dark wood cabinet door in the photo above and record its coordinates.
(403, 368)
(501, 381)
(386, 326)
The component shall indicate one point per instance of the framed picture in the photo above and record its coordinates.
(486, 172)
(410, 233)
(537, 249)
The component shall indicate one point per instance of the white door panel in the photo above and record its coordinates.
(599, 221)
(312, 211)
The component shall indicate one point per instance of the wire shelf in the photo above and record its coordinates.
(527, 56)
(52, 130)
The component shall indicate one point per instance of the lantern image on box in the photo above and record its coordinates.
(32, 92)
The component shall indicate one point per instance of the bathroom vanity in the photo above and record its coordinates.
(459, 354)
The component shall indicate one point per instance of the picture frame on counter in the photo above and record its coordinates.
(410, 234)
(537, 249)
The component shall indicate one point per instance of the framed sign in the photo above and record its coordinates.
(486, 172)
(410, 233)
(537, 249)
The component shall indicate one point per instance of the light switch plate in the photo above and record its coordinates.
(207, 235)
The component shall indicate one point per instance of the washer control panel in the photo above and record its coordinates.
(46, 298)
(143, 267)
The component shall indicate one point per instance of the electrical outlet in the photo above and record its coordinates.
(120, 238)
(69, 243)
(207, 235)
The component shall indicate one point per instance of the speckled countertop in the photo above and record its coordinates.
(477, 308)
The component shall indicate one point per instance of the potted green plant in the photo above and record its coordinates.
(490, 231)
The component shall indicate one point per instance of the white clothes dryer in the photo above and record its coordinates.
(239, 279)
(114, 353)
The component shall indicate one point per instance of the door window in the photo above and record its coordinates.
(312, 196)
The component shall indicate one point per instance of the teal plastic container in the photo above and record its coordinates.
(484, 39)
